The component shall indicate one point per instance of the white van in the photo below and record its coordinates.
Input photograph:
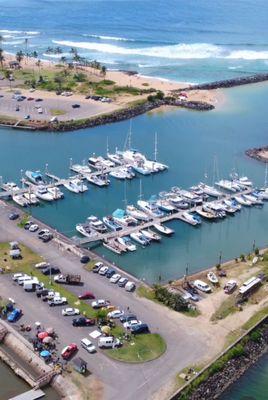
(30, 286)
(108, 342)
(130, 286)
(23, 279)
(204, 287)
(88, 346)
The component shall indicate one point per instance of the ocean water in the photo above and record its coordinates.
(182, 40)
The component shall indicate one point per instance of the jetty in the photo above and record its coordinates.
(29, 395)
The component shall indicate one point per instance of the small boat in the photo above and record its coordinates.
(230, 286)
(206, 214)
(141, 168)
(100, 181)
(10, 187)
(96, 224)
(80, 169)
(116, 158)
(212, 277)
(192, 219)
(155, 166)
(85, 230)
(76, 186)
(191, 197)
(127, 242)
(42, 193)
(113, 246)
(233, 204)
(263, 193)
(209, 190)
(100, 162)
(122, 173)
(216, 207)
(137, 214)
(124, 219)
(228, 208)
(163, 229)
(254, 200)
(111, 223)
(150, 208)
(150, 235)
(241, 200)
(244, 181)
(56, 192)
(31, 198)
(35, 177)
(139, 238)
(227, 185)
(165, 205)
(20, 200)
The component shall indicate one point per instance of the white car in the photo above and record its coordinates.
(115, 278)
(99, 303)
(33, 228)
(40, 110)
(18, 275)
(57, 301)
(115, 314)
(70, 311)
(103, 270)
(131, 323)
(88, 345)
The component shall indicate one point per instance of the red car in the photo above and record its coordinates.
(30, 98)
(68, 351)
(86, 296)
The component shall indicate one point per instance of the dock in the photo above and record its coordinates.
(29, 395)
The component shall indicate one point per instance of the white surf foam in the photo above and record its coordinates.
(104, 37)
(248, 55)
(56, 55)
(12, 32)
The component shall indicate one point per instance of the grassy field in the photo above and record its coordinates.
(226, 308)
(57, 111)
(144, 347)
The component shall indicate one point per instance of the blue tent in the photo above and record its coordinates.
(45, 354)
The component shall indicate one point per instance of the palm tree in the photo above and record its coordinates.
(34, 54)
(38, 64)
(103, 70)
(26, 42)
(59, 80)
(63, 60)
(19, 56)
(1, 40)
(2, 58)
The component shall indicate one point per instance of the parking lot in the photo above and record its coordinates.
(118, 379)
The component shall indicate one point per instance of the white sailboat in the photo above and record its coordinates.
(82, 169)
(100, 180)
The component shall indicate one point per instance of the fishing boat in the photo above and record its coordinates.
(20, 200)
(111, 223)
(209, 190)
(80, 169)
(241, 200)
(140, 238)
(163, 229)
(85, 230)
(165, 205)
(35, 177)
(124, 219)
(56, 192)
(137, 214)
(42, 193)
(150, 208)
(192, 219)
(150, 235)
(31, 198)
(96, 224)
(125, 240)
(212, 278)
(10, 187)
(100, 181)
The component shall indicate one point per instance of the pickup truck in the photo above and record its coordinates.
(57, 301)
(68, 279)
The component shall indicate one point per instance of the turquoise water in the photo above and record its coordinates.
(188, 143)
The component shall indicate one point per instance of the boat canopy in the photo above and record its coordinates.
(36, 175)
(119, 213)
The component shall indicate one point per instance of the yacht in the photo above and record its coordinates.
(31, 198)
(96, 224)
(209, 190)
(150, 208)
(241, 200)
(35, 177)
(254, 200)
(216, 207)
(137, 214)
(20, 200)
(56, 192)
(115, 158)
(139, 238)
(229, 209)
(100, 181)
(76, 186)
(10, 187)
(122, 173)
(228, 185)
(140, 167)
(210, 215)
(150, 235)
(80, 169)
(163, 229)
(85, 230)
(100, 162)
(233, 204)
(125, 240)
(243, 181)
(155, 166)
(43, 194)
(112, 224)
(165, 205)
(192, 219)
(124, 219)
(191, 197)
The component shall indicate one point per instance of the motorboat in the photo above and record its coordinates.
(122, 173)
(124, 219)
(210, 215)
(80, 184)
(150, 235)
(96, 224)
(100, 162)
(165, 205)
(31, 198)
(191, 197)
(42, 193)
(209, 190)
(100, 181)
(114, 246)
(56, 192)
(163, 229)
(116, 158)
(229, 209)
(140, 167)
(35, 177)
(136, 213)
(112, 224)
(263, 193)
(228, 185)
(139, 238)
(125, 240)
(130, 174)
(254, 200)
(212, 277)
(216, 207)
(243, 181)
(233, 204)
(76, 186)
(243, 201)
(85, 230)
(80, 169)
(10, 187)
(20, 200)
(150, 208)
(192, 219)
(155, 166)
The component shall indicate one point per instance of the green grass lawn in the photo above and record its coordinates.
(57, 111)
(226, 308)
(141, 348)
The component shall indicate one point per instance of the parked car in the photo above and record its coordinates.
(140, 328)
(115, 314)
(86, 296)
(27, 225)
(30, 98)
(130, 286)
(103, 270)
(33, 228)
(43, 232)
(14, 315)
(84, 259)
(51, 271)
(13, 216)
(115, 278)
(38, 99)
(51, 294)
(68, 351)
(88, 346)
(200, 285)
(97, 267)
(70, 311)
(110, 273)
(76, 105)
(27, 116)
(129, 324)
(100, 303)
(18, 275)
(42, 265)
(109, 342)
(122, 282)
(128, 317)
(42, 292)
(57, 301)
(47, 237)
(83, 321)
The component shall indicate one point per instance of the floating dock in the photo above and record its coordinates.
(29, 395)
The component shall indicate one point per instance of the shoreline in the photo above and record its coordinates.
(258, 153)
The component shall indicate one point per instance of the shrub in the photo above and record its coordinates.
(172, 300)
(255, 336)
(257, 251)
(242, 257)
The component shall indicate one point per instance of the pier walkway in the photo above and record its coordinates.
(29, 395)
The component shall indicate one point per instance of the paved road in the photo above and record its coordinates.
(119, 379)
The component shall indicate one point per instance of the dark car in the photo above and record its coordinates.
(76, 105)
(42, 292)
(86, 296)
(139, 328)
(38, 99)
(84, 259)
(51, 271)
(128, 317)
(82, 321)
(88, 97)
(110, 273)
(27, 225)
(13, 216)
(47, 237)
(122, 282)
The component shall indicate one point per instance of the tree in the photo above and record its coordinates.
(103, 70)
(26, 42)
(34, 54)
(19, 56)
(59, 80)
(63, 60)
(2, 58)
(38, 64)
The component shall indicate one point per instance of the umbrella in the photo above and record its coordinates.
(45, 354)
(47, 339)
(42, 335)
(50, 331)
(106, 330)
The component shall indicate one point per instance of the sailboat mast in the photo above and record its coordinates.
(107, 145)
(125, 194)
(130, 134)
(265, 176)
(155, 146)
(140, 195)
